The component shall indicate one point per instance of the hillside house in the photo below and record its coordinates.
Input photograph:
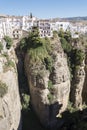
(17, 33)
(44, 27)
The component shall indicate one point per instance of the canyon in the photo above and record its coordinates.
(51, 87)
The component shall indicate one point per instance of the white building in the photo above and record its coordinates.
(44, 27)
(5, 27)
(1, 30)
(60, 25)
(28, 23)
(17, 33)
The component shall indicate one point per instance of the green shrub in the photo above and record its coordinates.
(9, 42)
(38, 54)
(55, 34)
(50, 85)
(1, 47)
(65, 45)
(38, 48)
(25, 101)
(75, 56)
(71, 108)
(5, 55)
(23, 44)
(79, 57)
(50, 97)
(48, 63)
(8, 65)
(68, 37)
(84, 106)
(3, 89)
(61, 33)
(76, 59)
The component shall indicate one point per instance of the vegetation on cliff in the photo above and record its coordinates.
(9, 42)
(75, 55)
(3, 89)
(8, 63)
(39, 49)
(1, 47)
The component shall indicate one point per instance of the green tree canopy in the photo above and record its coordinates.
(38, 48)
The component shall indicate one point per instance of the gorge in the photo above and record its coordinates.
(53, 72)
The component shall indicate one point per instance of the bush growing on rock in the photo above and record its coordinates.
(50, 97)
(75, 56)
(8, 64)
(48, 63)
(9, 42)
(50, 85)
(76, 59)
(1, 47)
(25, 101)
(3, 89)
(39, 49)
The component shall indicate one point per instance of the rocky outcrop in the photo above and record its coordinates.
(84, 91)
(77, 87)
(10, 108)
(49, 90)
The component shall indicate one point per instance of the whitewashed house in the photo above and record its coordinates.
(1, 30)
(28, 23)
(60, 25)
(16, 22)
(17, 33)
(44, 27)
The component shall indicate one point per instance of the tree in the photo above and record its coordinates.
(31, 15)
(32, 41)
(38, 48)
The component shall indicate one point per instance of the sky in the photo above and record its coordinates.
(44, 8)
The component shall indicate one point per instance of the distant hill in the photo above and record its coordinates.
(71, 19)
(75, 18)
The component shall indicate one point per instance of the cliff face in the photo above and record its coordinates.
(49, 90)
(78, 86)
(84, 91)
(10, 107)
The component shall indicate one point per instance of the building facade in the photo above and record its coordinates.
(44, 27)
(13, 26)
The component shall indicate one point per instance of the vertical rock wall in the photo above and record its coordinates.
(10, 107)
(49, 104)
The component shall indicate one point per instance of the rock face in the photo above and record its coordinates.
(49, 101)
(78, 86)
(84, 91)
(10, 108)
